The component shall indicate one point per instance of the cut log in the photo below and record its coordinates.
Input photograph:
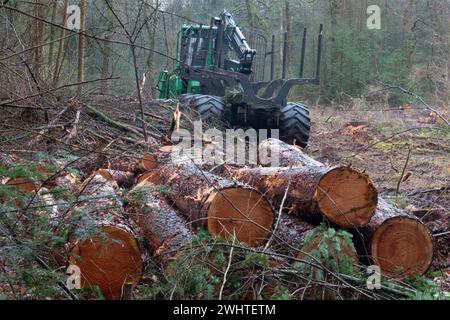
(288, 155)
(346, 246)
(290, 234)
(296, 238)
(146, 163)
(132, 164)
(53, 175)
(24, 184)
(343, 195)
(122, 178)
(143, 178)
(400, 244)
(111, 258)
(165, 230)
(51, 179)
(224, 207)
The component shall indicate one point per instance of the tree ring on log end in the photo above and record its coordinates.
(347, 197)
(401, 247)
(110, 261)
(241, 211)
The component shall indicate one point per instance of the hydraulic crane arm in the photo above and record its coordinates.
(237, 41)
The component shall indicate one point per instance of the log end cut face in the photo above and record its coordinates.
(148, 162)
(347, 197)
(240, 211)
(401, 247)
(109, 261)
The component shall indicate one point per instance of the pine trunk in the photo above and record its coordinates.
(343, 195)
(110, 259)
(165, 231)
(222, 206)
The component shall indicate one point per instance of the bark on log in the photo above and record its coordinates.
(343, 195)
(123, 179)
(397, 242)
(24, 184)
(6, 160)
(136, 165)
(400, 244)
(223, 206)
(291, 234)
(165, 231)
(51, 176)
(110, 259)
(288, 155)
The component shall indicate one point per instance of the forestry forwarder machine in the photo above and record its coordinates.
(213, 76)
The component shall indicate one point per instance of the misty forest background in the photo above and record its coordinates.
(411, 50)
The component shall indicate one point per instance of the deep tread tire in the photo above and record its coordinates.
(295, 124)
(209, 107)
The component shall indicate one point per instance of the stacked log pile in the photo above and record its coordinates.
(397, 242)
(169, 201)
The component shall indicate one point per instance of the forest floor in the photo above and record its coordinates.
(379, 142)
(406, 152)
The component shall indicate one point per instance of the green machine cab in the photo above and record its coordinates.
(215, 60)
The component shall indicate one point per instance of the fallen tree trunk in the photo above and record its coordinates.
(224, 207)
(165, 231)
(343, 195)
(110, 258)
(400, 244)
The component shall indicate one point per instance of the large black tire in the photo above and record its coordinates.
(295, 124)
(209, 107)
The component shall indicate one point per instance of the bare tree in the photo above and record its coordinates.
(132, 40)
(59, 59)
(51, 52)
(83, 9)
